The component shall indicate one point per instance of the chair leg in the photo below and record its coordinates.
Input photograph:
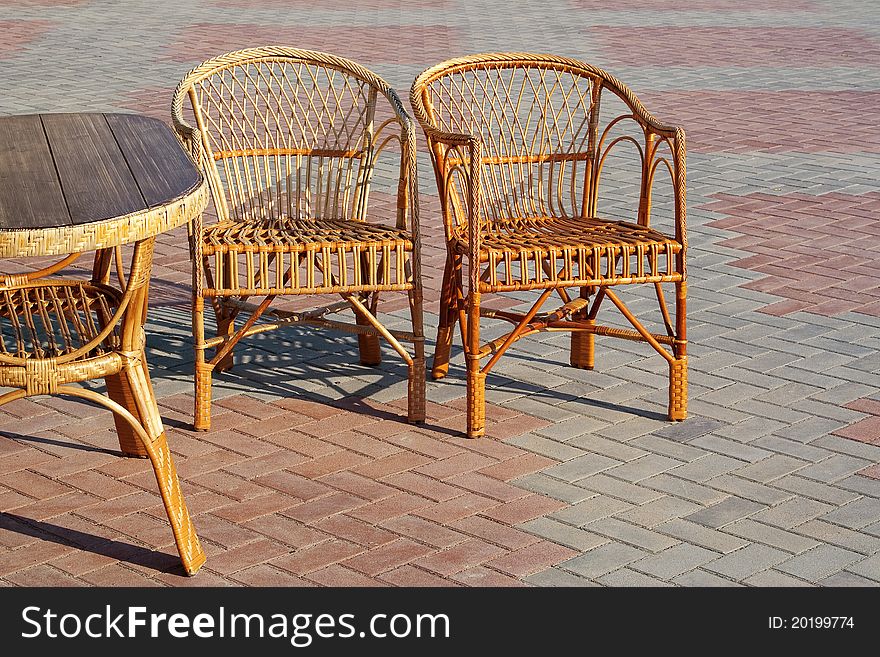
(476, 380)
(188, 546)
(446, 325)
(119, 390)
(416, 386)
(368, 345)
(225, 328)
(583, 345)
(203, 370)
(678, 366)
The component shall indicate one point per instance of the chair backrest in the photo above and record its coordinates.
(537, 118)
(291, 133)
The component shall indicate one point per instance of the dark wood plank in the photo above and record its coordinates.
(161, 168)
(95, 177)
(30, 194)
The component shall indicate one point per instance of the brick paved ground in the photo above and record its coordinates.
(309, 476)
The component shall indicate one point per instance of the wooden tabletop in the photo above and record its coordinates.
(74, 182)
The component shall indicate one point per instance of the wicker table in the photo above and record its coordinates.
(75, 183)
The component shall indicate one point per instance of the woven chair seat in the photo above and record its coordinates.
(546, 234)
(48, 321)
(298, 235)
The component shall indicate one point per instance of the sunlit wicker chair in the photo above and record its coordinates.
(518, 143)
(294, 143)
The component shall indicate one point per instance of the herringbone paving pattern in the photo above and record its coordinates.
(309, 476)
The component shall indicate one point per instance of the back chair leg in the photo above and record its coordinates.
(678, 368)
(203, 370)
(583, 344)
(446, 324)
(225, 328)
(119, 389)
(476, 380)
(368, 345)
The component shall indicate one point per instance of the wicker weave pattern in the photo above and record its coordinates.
(291, 142)
(519, 142)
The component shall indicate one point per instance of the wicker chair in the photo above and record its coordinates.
(519, 142)
(293, 142)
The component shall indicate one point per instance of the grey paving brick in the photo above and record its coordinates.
(712, 539)
(725, 512)
(694, 427)
(771, 468)
(684, 488)
(672, 449)
(589, 510)
(703, 579)
(676, 560)
(602, 560)
(862, 485)
(857, 514)
(851, 447)
(809, 429)
(580, 467)
(829, 411)
(626, 532)
(564, 534)
(706, 468)
(792, 513)
(732, 448)
(623, 490)
(835, 468)
(631, 427)
(632, 578)
(716, 413)
(658, 511)
(545, 446)
(844, 578)
(857, 541)
(749, 429)
(557, 577)
(610, 448)
(793, 448)
(772, 411)
(541, 409)
(868, 568)
(572, 427)
(774, 578)
(820, 562)
(749, 490)
(815, 490)
(644, 467)
(558, 490)
(733, 394)
(758, 532)
(748, 561)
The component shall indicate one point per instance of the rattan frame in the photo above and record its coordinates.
(501, 216)
(259, 249)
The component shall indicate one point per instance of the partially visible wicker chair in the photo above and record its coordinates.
(519, 142)
(294, 143)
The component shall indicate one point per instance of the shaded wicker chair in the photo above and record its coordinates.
(294, 144)
(519, 143)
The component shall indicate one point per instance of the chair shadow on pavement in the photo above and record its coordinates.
(114, 550)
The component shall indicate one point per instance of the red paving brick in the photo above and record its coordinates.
(411, 576)
(462, 556)
(481, 576)
(532, 559)
(316, 557)
(337, 575)
(20, 34)
(388, 556)
(866, 431)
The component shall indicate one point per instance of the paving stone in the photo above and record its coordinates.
(732, 448)
(857, 514)
(725, 512)
(792, 448)
(643, 467)
(773, 467)
(602, 560)
(707, 467)
(792, 513)
(564, 534)
(686, 431)
(623, 490)
(774, 578)
(844, 578)
(826, 532)
(670, 448)
(773, 536)
(712, 539)
(869, 568)
(600, 506)
(750, 490)
(702, 578)
(610, 448)
(631, 578)
(559, 490)
(556, 577)
(658, 511)
(819, 562)
(689, 490)
(580, 467)
(748, 561)
(675, 561)
(815, 490)
(633, 534)
(835, 468)
(546, 447)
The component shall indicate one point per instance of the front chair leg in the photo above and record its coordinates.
(583, 344)
(678, 367)
(446, 323)
(476, 380)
